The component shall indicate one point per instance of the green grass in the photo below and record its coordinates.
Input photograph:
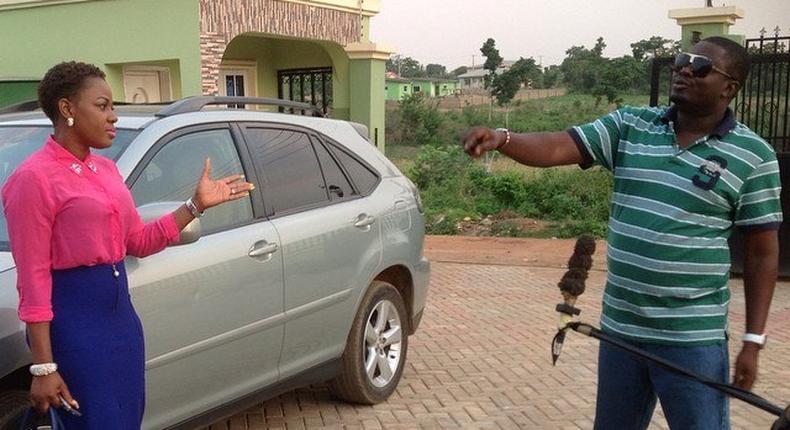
(454, 187)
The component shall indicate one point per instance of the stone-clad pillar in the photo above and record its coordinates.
(212, 48)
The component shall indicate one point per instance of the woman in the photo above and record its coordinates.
(71, 222)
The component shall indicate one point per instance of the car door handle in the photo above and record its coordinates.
(364, 221)
(262, 249)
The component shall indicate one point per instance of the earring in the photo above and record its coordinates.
(70, 122)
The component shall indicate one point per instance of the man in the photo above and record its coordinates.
(684, 177)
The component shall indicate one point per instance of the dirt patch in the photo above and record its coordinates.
(508, 251)
(505, 223)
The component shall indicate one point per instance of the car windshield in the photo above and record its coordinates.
(19, 142)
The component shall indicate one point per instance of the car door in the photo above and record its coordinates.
(212, 310)
(330, 237)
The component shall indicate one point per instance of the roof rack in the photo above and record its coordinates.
(31, 105)
(190, 104)
(25, 106)
(197, 103)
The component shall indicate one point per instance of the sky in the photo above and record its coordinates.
(451, 32)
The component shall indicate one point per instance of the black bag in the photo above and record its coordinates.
(31, 416)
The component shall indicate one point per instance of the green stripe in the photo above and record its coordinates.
(695, 311)
(673, 324)
(676, 183)
(712, 296)
(673, 292)
(666, 279)
(645, 335)
(660, 251)
(666, 225)
(654, 208)
(635, 232)
(669, 196)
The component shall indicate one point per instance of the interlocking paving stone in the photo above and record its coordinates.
(481, 360)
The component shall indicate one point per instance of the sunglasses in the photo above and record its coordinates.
(701, 65)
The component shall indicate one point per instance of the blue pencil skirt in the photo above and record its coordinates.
(97, 341)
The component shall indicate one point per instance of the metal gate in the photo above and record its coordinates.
(313, 86)
(763, 105)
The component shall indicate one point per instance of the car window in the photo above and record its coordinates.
(364, 178)
(172, 175)
(338, 185)
(288, 162)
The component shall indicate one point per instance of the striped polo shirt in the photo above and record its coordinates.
(672, 212)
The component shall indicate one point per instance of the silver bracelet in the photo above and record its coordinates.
(43, 369)
(193, 209)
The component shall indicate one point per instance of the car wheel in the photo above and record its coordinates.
(375, 353)
(12, 405)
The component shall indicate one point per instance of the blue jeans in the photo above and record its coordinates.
(628, 387)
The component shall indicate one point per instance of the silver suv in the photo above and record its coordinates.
(318, 276)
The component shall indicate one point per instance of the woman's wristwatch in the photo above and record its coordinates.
(193, 208)
(43, 369)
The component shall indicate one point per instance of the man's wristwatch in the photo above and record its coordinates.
(759, 339)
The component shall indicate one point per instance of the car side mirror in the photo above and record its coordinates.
(152, 211)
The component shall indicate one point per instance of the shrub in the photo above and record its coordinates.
(437, 165)
(418, 121)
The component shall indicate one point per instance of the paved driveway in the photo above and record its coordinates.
(481, 359)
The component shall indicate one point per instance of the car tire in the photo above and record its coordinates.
(375, 353)
(13, 405)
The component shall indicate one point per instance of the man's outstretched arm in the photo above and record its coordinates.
(761, 260)
(531, 149)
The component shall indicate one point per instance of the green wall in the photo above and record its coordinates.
(106, 33)
(367, 99)
(707, 30)
(272, 54)
(426, 87)
(17, 91)
(446, 88)
(396, 90)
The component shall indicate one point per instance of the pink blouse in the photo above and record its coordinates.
(64, 213)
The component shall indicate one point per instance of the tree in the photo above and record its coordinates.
(551, 76)
(493, 60)
(599, 47)
(435, 71)
(459, 71)
(506, 84)
(618, 75)
(656, 46)
(406, 67)
(580, 68)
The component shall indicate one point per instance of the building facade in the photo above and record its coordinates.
(397, 88)
(317, 51)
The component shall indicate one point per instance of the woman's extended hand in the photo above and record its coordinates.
(211, 192)
(45, 392)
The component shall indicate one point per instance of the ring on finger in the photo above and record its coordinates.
(233, 191)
